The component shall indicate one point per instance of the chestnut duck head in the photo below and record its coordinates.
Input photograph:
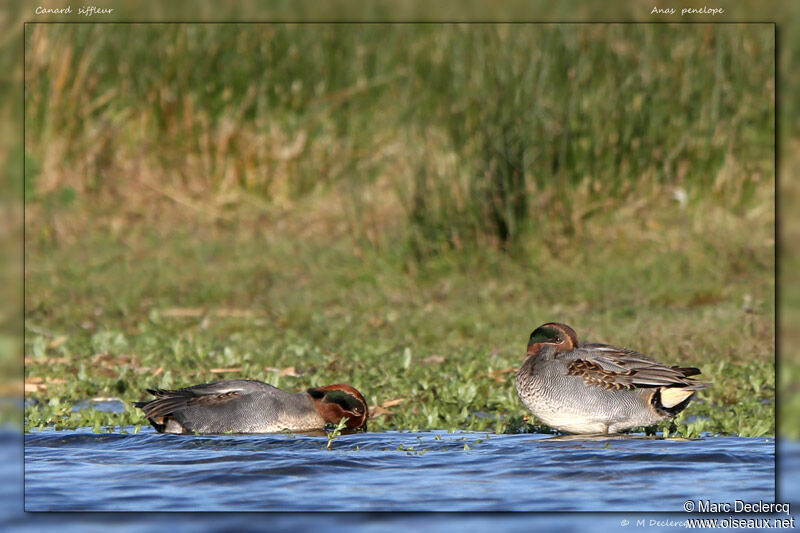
(334, 402)
(559, 335)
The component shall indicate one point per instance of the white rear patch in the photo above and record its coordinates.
(672, 396)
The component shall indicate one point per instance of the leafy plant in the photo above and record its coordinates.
(336, 432)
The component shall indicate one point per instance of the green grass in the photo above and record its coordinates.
(484, 131)
(111, 316)
(396, 207)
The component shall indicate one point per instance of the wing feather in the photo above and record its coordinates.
(613, 367)
(169, 401)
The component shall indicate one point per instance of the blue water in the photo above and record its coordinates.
(111, 448)
(391, 471)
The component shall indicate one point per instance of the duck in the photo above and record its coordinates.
(251, 406)
(591, 388)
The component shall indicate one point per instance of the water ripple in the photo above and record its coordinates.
(431, 471)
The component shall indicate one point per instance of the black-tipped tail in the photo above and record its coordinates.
(159, 425)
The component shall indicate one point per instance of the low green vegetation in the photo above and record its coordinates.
(436, 344)
(397, 208)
